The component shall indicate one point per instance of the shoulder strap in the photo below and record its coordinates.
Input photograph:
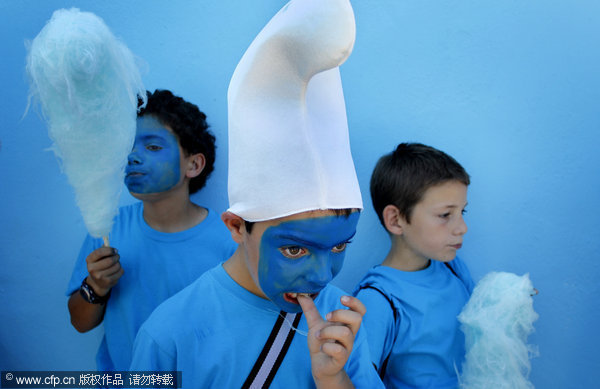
(383, 366)
(451, 269)
(389, 300)
(462, 281)
(273, 352)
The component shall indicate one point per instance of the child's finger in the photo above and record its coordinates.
(107, 278)
(351, 317)
(354, 304)
(114, 277)
(114, 272)
(346, 317)
(313, 317)
(337, 333)
(104, 263)
(336, 351)
(100, 253)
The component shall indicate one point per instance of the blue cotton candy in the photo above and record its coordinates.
(496, 322)
(87, 83)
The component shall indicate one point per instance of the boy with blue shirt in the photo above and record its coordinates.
(164, 242)
(268, 316)
(214, 330)
(415, 295)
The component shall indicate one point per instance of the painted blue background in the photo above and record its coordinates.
(510, 88)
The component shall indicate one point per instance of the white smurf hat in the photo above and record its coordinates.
(289, 149)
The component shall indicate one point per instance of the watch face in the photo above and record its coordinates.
(90, 296)
(85, 293)
(88, 293)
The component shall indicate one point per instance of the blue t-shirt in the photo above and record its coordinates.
(422, 339)
(156, 266)
(214, 330)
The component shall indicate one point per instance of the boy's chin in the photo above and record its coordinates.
(291, 308)
(287, 306)
(142, 196)
(288, 302)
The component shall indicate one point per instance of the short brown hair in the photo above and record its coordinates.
(401, 177)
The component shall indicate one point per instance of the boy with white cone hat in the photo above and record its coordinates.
(294, 202)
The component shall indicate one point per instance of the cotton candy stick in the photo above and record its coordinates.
(496, 322)
(87, 83)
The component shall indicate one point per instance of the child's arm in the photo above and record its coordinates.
(380, 323)
(104, 272)
(330, 341)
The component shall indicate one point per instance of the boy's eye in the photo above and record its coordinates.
(153, 148)
(445, 215)
(340, 247)
(293, 252)
(463, 211)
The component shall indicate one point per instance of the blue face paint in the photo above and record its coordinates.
(153, 164)
(302, 256)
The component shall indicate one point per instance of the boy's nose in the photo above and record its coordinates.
(461, 228)
(323, 274)
(133, 158)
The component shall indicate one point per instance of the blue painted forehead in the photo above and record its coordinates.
(149, 122)
(322, 232)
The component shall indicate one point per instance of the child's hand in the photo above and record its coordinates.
(330, 341)
(104, 268)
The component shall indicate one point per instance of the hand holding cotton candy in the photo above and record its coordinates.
(88, 84)
(496, 321)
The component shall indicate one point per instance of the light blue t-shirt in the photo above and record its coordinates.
(214, 330)
(423, 340)
(156, 266)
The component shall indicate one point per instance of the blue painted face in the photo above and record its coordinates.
(153, 164)
(302, 256)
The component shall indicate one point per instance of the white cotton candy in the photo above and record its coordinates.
(87, 83)
(497, 321)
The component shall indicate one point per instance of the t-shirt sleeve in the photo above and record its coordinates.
(149, 356)
(80, 270)
(359, 367)
(378, 323)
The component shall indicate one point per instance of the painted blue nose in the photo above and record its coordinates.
(133, 158)
(322, 272)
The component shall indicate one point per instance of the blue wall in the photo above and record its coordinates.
(510, 88)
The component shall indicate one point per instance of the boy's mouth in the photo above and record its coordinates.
(292, 297)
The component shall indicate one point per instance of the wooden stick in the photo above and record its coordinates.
(106, 242)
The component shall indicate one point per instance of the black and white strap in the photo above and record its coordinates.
(273, 352)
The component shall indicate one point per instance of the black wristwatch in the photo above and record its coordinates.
(90, 296)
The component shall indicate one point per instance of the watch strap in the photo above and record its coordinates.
(89, 295)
